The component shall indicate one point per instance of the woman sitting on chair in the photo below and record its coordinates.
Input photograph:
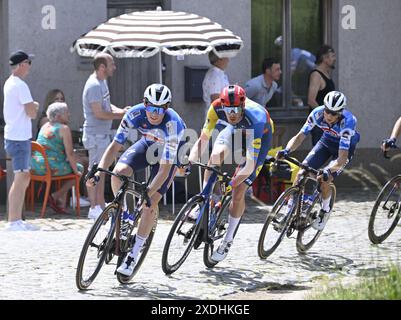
(55, 136)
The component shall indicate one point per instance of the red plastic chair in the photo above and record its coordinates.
(48, 179)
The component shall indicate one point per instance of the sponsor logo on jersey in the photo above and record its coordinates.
(258, 169)
(319, 114)
(257, 143)
(170, 127)
(133, 115)
(124, 124)
(120, 137)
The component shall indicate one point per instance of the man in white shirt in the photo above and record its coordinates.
(19, 110)
(215, 79)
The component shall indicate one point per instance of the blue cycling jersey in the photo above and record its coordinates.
(168, 133)
(340, 133)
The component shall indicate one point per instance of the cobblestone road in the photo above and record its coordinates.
(42, 264)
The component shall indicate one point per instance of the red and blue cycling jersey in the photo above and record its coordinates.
(341, 133)
(168, 133)
(255, 118)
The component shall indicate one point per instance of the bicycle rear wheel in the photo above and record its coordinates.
(277, 222)
(217, 233)
(181, 237)
(386, 211)
(96, 247)
(307, 236)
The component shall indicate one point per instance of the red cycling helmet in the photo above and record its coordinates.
(233, 96)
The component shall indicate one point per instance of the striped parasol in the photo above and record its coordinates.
(144, 34)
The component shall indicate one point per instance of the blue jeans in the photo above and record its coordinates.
(20, 153)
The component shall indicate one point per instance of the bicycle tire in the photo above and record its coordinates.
(100, 221)
(126, 279)
(208, 249)
(304, 247)
(178, 223)
(265, 252)
(373, 236)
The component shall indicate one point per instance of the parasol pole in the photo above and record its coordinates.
(158, 8)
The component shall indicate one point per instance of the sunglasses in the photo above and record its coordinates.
(235, 110)
(155, 109)
(332, 113)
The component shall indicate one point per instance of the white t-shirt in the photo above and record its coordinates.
(215, 80)
(18, 124)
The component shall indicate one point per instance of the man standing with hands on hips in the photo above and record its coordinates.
(19, 110)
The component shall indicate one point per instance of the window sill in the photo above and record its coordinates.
(290, 115)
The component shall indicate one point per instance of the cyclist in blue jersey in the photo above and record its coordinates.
(162, 130)
(338, 143)
(253, 122)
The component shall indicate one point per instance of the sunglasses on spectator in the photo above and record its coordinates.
(230, 109)
(156, 109)
(332, 113)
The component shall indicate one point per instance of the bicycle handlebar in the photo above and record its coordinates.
(141, 186)
(225, 175)
(301, 165)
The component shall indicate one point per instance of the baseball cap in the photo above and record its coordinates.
(19, 56)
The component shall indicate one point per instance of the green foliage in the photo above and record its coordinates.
(379, 287)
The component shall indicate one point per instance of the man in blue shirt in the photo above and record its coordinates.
(162, 129)
(338, 143)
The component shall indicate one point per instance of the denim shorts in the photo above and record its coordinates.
(96, 144)
(20, 153)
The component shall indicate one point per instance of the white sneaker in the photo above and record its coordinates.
(15, 226)
(321, 220)
(194, 213)
(94, 212)
(82, 202)
(222, 251)
(127, 267)
(29, 226)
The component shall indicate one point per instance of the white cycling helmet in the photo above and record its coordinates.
(157, 94)
(335, 101)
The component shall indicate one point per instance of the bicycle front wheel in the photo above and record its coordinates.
(181, 237)
(277, 222)
(141, 257)
(386, 211)
(307, 235)
(96, 247)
